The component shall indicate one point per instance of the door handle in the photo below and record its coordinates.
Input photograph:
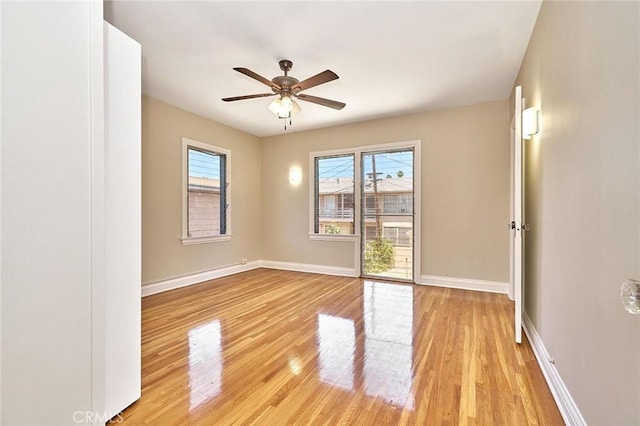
(525, 227)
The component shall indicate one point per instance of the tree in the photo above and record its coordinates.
(332, 228)
(378, 256)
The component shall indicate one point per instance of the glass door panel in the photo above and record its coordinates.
(387, 214)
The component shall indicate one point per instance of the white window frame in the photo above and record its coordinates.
(355, 237)
(186, 239)
(312, 195)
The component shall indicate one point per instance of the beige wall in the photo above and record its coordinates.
(163, 256)
(582, 200)
(465, 190)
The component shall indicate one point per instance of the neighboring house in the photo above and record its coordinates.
(335, 206)
(203, 207)
(394, 204)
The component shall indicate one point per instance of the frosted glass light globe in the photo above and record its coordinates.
(630, 295)
(286, 105)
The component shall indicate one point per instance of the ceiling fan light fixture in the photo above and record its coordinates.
(295, 108)
(286, 104)
(286, 87)
(275, 106)
(284, 107)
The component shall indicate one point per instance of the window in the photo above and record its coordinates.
(334, 201)
(399, 236)
(205, 193)
(401, 203)
(344, 203)
(405, 203)
(390, 203)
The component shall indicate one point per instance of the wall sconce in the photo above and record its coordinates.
(295, 175)
(530, 122)
(630, 295)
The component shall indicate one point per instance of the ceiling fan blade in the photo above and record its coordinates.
(321, 101)
(258, 77)
(323, 77)
(240, 98)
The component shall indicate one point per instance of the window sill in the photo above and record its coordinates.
(190, 241)
(333, 237)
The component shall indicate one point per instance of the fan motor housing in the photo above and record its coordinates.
(285, 81)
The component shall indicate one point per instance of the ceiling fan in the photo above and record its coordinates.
(287, 88)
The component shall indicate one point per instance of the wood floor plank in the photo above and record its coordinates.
(274, 347)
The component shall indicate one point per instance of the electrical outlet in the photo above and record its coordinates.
(243, 262)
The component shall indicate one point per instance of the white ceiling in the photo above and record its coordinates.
(392, 57)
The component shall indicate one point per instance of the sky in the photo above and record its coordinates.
(202, 164)
(387, 163)
(207, 165)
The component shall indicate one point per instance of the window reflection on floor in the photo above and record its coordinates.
(388, 321)
(336, 350)
(205, 362)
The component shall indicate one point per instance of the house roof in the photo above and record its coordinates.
(344, 185)
(204, 184)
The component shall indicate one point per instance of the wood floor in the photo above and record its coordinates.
(275, 347)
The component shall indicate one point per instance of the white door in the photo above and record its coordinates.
(122, 183)
(516, 252)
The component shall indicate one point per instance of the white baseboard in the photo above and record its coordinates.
(465, 284)
(459, 283)
(161, 286)
(567, 406)
(306, 267)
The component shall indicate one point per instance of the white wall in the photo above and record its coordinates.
(46, 201)
(582, 200)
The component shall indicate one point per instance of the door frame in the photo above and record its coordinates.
(356, 237)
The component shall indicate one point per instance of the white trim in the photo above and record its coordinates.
(465, 284)
(191, 241)
(186, 143)
(197, 278)
(567, 406)
(97, 189)
(333, 237)
(187, 280)
(0, 215)
(312, 184)
(310, 268)
(357, 216)
(417, 209)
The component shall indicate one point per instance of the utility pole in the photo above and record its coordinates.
(376, 203)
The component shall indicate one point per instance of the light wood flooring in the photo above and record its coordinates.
(273, 347)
